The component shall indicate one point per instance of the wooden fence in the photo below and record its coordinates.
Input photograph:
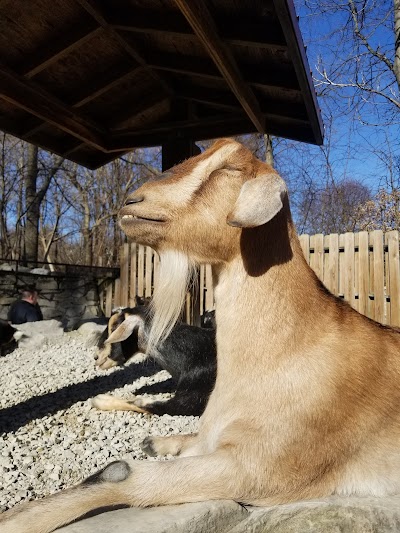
(363, 268)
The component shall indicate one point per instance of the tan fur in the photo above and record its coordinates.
(307, 397)
(106, 402)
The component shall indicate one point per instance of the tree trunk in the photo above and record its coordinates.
(396, 64)
(32, 206)
(269, 155)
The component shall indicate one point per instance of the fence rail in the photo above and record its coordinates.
(363, 268)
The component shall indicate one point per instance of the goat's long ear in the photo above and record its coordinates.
(260, 199)
(125, 330)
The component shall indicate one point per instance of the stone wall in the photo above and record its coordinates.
(66, 297)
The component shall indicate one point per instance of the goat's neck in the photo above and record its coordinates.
(265, 293)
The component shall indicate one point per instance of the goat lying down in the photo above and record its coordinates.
(307, 397)
(188, 354)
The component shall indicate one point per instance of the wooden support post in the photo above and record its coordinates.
(173, 152)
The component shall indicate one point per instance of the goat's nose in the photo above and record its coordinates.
(134, 200)
(96, 357)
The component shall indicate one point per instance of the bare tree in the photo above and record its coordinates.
(360, 64)
(34, 195)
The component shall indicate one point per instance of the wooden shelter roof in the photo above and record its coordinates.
(93, 79)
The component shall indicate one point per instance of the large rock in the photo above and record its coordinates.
(36, 334)
(202, 517)
(330, 515)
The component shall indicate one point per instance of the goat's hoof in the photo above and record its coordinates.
(147, 447)
(102, 401)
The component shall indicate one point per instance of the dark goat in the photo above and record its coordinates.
(208, 319)
(8, 337)
(188, 354)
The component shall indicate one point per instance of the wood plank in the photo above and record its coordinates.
(117, 293)
(195, 300)
(109, 299)
(204, 27)
(379, 295)
(305, 246)
(209, 304)
(202, 285)
(156, 268)
(31, 98)
(124, 275)
(341, 266)
(140, 270)
(371, 305)
(363, 273)
(88, 94)
(349, 268)
(148, 291)
(287, 17)
(204, 67)
(133, 274)
(59, 48)
(317, 258)
(195, 129)
(246, 32)
(93, 9)
(332, 274)
(394, 276)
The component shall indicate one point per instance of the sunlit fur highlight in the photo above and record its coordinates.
(174, 275)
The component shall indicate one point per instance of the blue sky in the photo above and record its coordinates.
(355, 137)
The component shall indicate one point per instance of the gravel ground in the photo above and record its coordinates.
(50, 437)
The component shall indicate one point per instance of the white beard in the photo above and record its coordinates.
(174, 275)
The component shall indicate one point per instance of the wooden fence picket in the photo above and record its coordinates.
(362, 268)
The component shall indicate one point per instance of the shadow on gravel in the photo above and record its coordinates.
(12, 418)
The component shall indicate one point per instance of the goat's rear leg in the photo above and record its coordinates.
(142, 483)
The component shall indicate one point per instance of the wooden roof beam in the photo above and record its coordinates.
(27, 96)
(214, 127)
(226, 100)
(203, 25)
(93, 10)
(59, 48)
(34, 126)
(204, 67)
(290, 27)
(263, 34)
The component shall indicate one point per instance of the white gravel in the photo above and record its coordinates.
(50, 436)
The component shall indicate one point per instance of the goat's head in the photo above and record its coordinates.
(196, 213)
(119, 341)
(199, 206)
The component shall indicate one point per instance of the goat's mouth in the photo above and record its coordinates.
(132, 219)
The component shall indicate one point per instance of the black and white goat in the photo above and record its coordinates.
(188, 354)
(8, 337)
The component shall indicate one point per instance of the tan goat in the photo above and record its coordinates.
(307, 398)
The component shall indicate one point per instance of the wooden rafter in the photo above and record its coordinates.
(244, 33)
(226, 100)
(208, 128)
(203, 25)
(89, 94)
(287, 17)
(91, 8)
(136, 108)
(205, 68)
(27, 96)
(60, 48)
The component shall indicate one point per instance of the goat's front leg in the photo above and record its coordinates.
(189, 479)
(106, 402)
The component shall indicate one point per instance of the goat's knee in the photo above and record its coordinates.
(171, 445)
(113, 473)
